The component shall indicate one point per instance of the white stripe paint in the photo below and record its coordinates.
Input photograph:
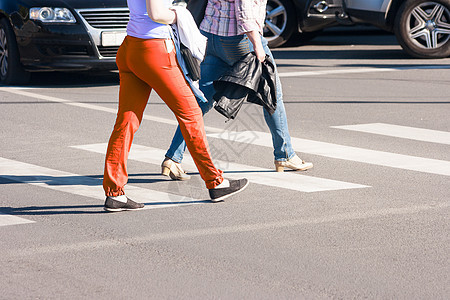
(287, 180)
(318, 148)
(373, 157)
(412, 133)
(94, 107)
(84, 185)
(357, 70)
(6, 220)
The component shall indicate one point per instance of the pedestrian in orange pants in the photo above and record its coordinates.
(146, 64)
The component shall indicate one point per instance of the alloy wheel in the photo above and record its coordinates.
(276, 20)
(428, 25)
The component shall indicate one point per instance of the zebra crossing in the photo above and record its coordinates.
(6, 220)
(298, 182)
(418, 134)
(291, 181)
(380, 158)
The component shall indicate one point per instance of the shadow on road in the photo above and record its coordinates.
(344, 54)
(76, 209)
(73, 79)
(94, 180)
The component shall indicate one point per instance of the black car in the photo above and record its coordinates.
(48, 35)
(300, 20)
(69, 35)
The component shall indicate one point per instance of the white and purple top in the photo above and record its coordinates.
(140, 24)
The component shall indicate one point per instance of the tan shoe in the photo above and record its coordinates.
(173, 170)
(294, 163)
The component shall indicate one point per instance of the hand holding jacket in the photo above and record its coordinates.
(250, 80)
(255, 39)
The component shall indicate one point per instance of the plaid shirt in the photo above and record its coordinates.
(234, 17)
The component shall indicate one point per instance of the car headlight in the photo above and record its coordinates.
(52, 15)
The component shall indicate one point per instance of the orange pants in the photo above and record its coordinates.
(145, 65)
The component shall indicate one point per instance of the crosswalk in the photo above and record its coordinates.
(91, 187)
(405, 132)
(380, 158)
(6, 220)
(291, 181)
(79, 185)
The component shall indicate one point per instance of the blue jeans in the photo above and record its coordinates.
(221, 53)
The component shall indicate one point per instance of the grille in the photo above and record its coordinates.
(76, 51)
(108, 51)
(107, 18)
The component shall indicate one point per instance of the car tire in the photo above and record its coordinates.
(280, 23)
(11, 70)
(422, 28)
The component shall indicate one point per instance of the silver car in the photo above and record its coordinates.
(422, 27)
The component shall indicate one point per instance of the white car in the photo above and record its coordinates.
(422, 27)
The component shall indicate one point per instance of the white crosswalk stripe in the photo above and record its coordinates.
(84, 185)
(357, 70)
(290, 180)
(380, 158)
(92, 106)
(405, 132)
(7, 220)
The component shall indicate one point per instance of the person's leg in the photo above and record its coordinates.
(160, 70)
(284, 153)
(277, 122)
(133, 96)
(210, 63)
(211, 69)
(221, 53)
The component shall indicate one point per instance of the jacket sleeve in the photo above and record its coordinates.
(247, 16)
(229, 99)
(248, 80)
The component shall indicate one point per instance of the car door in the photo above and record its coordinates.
(370, 5)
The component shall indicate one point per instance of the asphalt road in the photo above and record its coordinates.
(370, 220)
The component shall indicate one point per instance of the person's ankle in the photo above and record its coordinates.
(121, 198)
(225, 183)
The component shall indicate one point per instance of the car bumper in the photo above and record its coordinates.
(321, 14)
(65, 47)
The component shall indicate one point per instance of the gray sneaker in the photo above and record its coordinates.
(235, 187)
(114, 205)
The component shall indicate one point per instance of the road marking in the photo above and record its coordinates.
(94, 107)
(6, 220)
(373, 157)
(287, 180)
(357, 70)
(84, 185)
(226, 230)
(412, 133)
(406, 162)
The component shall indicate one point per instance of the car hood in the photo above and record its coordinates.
(74, 3)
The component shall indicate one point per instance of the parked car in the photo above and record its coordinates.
(422, 27)
(300, 20)
(76, 35)
(48, 35)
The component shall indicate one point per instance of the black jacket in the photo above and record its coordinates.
(247, 80)
(197, 9)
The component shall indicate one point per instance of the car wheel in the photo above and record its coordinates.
(423, 28)
(11, 71)
(280, 22)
